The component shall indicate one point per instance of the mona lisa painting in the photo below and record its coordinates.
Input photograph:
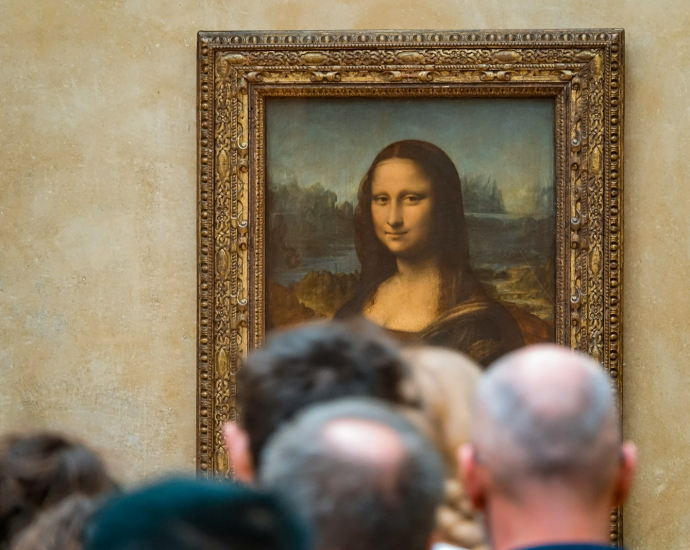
(368, 215)
(456, 188)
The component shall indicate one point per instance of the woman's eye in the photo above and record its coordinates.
(413, 198)
(380, 200)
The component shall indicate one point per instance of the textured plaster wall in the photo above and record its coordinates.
(97, 218)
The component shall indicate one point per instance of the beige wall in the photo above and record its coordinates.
(97, 218)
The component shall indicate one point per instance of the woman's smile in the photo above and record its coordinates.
(411, 239)
(401, 207)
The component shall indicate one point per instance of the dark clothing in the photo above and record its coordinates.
(578, 546)
(479, 327)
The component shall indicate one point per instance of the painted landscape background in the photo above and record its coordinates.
(319, 150)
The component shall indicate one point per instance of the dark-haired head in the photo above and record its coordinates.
(311, 364)
(60, 527)
(38, 470)
(449, 241)
(183, 514)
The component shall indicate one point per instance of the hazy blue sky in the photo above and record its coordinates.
(333, 141)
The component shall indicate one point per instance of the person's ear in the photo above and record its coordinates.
(239, 452)
(626, 473)
(434, 539)
(470, 473)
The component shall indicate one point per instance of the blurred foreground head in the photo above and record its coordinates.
(442, 384)
(60, 527)
(195, 515)
(37, 471)
(546, 463)
(299, 367)
(360, 474)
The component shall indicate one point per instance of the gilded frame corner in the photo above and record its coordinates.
(583, 70)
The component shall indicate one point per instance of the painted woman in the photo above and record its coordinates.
(411, 240)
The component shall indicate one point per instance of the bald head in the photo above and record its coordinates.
(364, 441)
(547, 414)
(360, 475)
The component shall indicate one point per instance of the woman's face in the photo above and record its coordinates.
(401, 207)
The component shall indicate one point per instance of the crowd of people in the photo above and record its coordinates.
(347, 442)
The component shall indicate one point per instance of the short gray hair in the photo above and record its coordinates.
(547, 413)
(344, 500)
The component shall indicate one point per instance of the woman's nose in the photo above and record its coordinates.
(395, 218)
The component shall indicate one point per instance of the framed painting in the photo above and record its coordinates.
(461, 189)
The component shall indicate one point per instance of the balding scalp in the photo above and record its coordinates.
(359, 473)
(547, 413)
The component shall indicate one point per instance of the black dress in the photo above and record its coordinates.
(479, 327)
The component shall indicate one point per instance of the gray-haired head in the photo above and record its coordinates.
(547, 414)
(359, 473)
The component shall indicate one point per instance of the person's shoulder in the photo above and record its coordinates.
(487, 319)
(446, 546)
(576, 546)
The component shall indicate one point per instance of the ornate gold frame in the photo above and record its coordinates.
(581, 69)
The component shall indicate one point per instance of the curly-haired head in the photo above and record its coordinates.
(311, 364)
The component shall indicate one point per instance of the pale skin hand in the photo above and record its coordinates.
(402, 213)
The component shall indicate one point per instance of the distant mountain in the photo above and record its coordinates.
(304, 221)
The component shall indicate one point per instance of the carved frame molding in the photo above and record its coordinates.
(237, 71)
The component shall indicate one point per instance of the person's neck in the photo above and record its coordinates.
(515, 526)
(411, 270)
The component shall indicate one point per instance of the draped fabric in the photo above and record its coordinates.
(479, 327)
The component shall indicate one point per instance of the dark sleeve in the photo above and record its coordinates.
(484, 336)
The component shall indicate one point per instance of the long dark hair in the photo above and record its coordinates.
(449, 234)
